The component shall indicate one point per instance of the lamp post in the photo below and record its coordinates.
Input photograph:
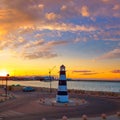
(2, 82)
(50, 78)
(6, 89)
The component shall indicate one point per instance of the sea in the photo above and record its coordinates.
(109, 86)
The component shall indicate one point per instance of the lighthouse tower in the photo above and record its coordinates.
(62, 95)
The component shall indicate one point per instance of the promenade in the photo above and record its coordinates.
(27, 105)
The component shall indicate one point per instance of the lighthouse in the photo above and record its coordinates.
(62, 94)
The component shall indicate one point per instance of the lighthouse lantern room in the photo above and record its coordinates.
(62, 94)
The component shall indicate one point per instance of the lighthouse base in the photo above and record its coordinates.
(62, 98)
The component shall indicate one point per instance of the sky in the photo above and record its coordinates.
(39, 35)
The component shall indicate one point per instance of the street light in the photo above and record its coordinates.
(50, 77)
(50, 80)
(1, 78)
(6, 88)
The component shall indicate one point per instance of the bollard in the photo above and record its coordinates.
(103, 116)
(64, 118)
(118, 114)
(66, 104)
(84, 117)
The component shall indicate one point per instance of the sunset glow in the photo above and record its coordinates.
(3, 73)
(36, 35)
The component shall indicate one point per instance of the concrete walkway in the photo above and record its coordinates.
(26, 107)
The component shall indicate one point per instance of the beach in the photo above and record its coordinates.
(28, 105)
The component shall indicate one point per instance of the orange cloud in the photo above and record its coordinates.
(41, 6)
(64, 7)
(39, 54)
(29, 13)
(34, 43)
(40, 49)
(54, 43)
(12, 19)
(85, 11)
(66, 27)
(52, 16)
(113, 54)
(116, 7)
(84, 72)
(105, 1)
(116, 71)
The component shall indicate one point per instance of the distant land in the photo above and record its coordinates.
(48, 78)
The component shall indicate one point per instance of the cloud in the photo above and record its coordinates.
(84, 11)
(21, 13)
(64, 7)
(26, 29)
(113, 54)
(52, 16)
(105, 1)
(66, 27)
(39, 54)
(79, 38)
(20, 41)
(18, 13)
(26, 24)
(41, 6)
(85, 72)
(32, 51)
(12, 42)
(31, 48)
(34, 43)
(55, 43)
(3, 44)
(29, 13)
(92, 73)
(11, 20)
(42, 43)
(107, 32)
(116, 71)
(116, 7)
(40, 49)
(39, 35)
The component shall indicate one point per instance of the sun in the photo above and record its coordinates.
(3, 72)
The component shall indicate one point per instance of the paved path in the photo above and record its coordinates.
(26, 107)
(10, 113)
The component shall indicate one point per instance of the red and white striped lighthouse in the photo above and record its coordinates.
(62, 94)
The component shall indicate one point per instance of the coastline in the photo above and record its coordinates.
(81, 85)
(78, 80)
(70, 91)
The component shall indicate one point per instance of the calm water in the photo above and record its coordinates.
(80, 85)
